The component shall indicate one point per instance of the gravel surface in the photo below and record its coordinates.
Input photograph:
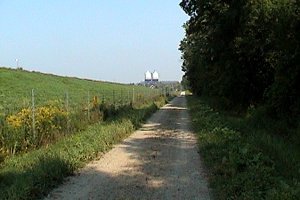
(159, 161)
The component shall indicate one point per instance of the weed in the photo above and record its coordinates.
(34, 174)
(244, 161)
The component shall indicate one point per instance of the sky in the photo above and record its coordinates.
(109, 40)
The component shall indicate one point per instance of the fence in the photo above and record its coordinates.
(29, 121)
(10, 103)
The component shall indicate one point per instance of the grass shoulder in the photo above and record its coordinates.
(245, 161)
(34, 174)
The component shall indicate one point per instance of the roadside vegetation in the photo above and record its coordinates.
(245, 160)
(245, 55)
(38, 109)
(34, 174)
(50, 132)
(242, 59)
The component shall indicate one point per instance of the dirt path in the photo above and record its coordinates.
(159, 161)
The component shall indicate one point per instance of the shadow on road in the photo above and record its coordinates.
(160, 161)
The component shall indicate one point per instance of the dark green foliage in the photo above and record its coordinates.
(244, 53)
(244, 161)
(185, 83)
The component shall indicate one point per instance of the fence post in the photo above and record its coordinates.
(88, 106)
(132, 95)
(67, 110)
(128, 97)
(33, 113)
(121, 97)
(103, 98)
(114, 99)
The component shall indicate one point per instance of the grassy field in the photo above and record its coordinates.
(244, 159)
(16, 87)
(62, 106)
(32, 175)
(72, 122)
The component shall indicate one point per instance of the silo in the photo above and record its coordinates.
(155, 76)
(148, 77)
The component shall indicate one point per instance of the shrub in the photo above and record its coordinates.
(244, 161)
(32, 175)
(23, 133)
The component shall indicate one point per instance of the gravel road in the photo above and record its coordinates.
(159, 161)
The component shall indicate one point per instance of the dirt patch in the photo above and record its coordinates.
(159, 161)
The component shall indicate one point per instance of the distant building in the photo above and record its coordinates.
(151, 78)
(148, 77)
(155, 76)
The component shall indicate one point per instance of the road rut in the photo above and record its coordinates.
(159, 161)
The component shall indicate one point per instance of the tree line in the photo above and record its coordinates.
(244, 53)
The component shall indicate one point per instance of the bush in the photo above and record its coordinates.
(53, 121)
(34, 174)
(244, 161)
(20, 134)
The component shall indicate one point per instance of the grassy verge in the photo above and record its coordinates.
(32, 175)
(16, 87)
(37, 109)
(245, 161)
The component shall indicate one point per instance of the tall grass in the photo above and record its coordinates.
(245, 161)
(19, 134)
(58, 106)
(32, 175)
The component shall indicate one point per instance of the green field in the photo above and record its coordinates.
(16, 90)
(38, 109)
(34, 174)
(69, 121)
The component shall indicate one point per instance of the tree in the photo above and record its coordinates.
(244, 52)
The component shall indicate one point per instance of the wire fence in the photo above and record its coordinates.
(11, 103)
(37, 118)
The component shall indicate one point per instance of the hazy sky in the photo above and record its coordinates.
(113, 40)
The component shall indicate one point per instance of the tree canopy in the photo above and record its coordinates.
(244, 53)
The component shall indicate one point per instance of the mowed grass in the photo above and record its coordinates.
(16, 87)
(244, 160)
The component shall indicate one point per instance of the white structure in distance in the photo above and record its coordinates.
(151, 78)
(155, 76)
(148, 76)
